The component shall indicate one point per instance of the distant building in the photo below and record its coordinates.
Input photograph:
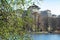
(35, 14)
(34, 8)
(58, 16)
(58, 22)
(46, 13)
(45, 16)
(42, 20)
(54, 16)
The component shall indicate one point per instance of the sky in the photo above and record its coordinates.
(53, 5)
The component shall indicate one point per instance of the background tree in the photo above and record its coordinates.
(58, 24)
(10, 23)
(53, 23)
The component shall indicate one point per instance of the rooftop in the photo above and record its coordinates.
(34, 6)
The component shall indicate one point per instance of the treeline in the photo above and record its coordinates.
(54, 23)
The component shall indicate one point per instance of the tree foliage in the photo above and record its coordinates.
(10, 23)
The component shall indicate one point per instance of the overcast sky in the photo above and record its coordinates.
(53, 5)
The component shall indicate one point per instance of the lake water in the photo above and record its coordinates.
(39, 37)
(46, 37)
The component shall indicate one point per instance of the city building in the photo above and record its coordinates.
(42, 20)
(35, 14)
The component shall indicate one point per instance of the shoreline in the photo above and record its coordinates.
(44, 33)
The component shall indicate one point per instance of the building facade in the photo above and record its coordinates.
(43, 20)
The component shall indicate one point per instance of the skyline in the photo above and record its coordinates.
(53, 5)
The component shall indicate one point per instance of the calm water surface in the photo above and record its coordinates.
(46, 36)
